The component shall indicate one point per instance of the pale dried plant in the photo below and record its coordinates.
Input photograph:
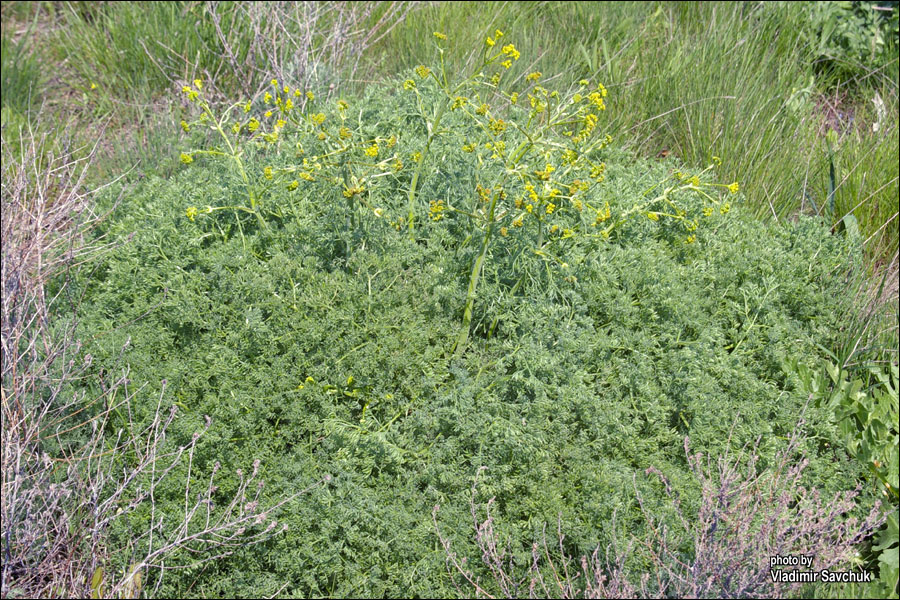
(76, 466)
(313, 45)
(745, 516)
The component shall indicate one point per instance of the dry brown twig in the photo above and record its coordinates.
(74, 466)
(745, 517)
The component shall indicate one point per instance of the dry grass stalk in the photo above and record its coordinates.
(745, 517)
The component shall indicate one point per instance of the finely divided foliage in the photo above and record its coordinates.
(456, 290)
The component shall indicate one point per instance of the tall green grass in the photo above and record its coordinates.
(702, 79)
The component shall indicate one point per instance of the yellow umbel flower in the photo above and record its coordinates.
(372, 150)
(191, 212)
(440, 35)
(497, 126)
(186, 158)
(436, 210)
(533, 76)
(603, 214)
(510, 50)
(734, 187)
(423, 71)
(353, 191)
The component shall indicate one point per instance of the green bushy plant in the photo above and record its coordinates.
(534, 166)
(866, 419)
(851, 38)
(318, 361)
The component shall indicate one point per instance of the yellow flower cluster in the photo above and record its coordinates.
(191, 93)
(436, 210)
(353, 191)
(497, 126)
(603, 214)
(510, 50)
(545, 174)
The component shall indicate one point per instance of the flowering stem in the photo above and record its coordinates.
(473, 280)
(421, 162)
(237, 160)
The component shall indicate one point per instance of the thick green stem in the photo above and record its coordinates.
(473, 282)
(233, 153)
(420, 164)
